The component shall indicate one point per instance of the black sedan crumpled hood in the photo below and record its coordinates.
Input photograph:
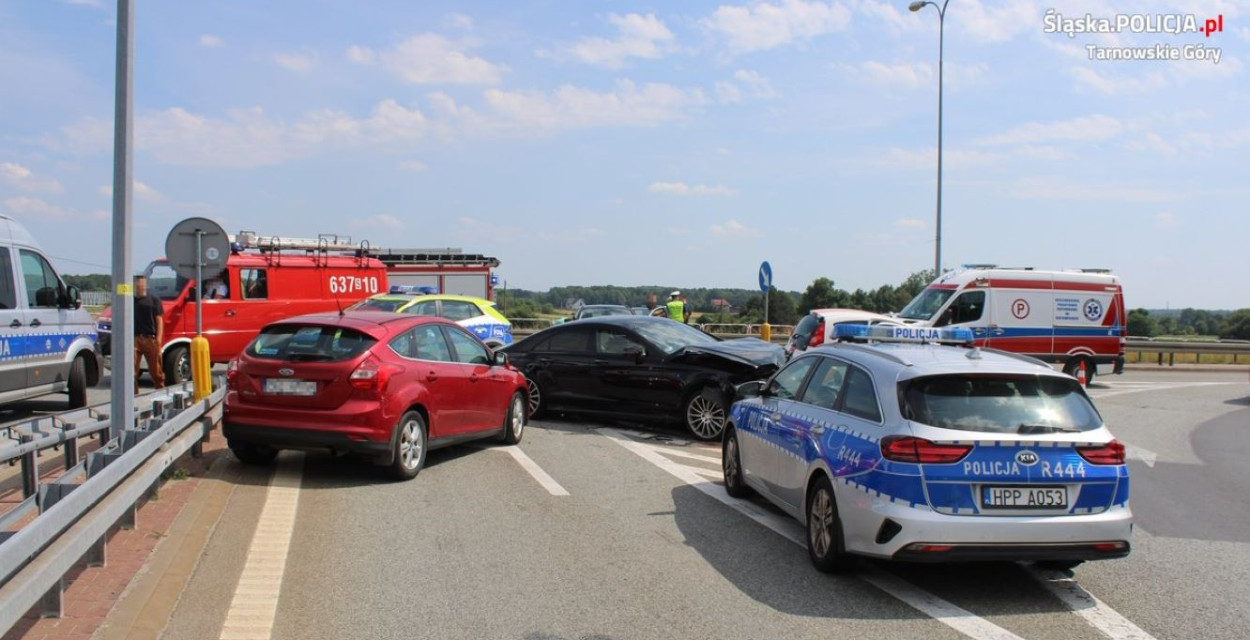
(749, 351)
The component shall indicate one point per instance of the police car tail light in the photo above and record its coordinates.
(921, 451)
(1110, 453)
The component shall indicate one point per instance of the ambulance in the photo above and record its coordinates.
(1072, 318)
(267, 278)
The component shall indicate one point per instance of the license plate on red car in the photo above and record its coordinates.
(1021, 497)
(286, 387)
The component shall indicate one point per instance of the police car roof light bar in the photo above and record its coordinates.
(413, 289)
(884, 333)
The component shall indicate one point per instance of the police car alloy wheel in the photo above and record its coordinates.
(731, 466)
(825, 545)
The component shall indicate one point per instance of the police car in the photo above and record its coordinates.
(900, 446)
(475, 314)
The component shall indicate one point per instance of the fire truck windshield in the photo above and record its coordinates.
(923, 306)
(163, 281)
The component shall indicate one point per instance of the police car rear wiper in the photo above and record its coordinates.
(1034, 429)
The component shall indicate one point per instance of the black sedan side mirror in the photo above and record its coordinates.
(752, 389)
(636, 351)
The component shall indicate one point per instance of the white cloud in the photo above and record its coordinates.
(378, 221)
(766, 26)
(430, 59)
(926, 158)
(297, 62)
(211, 41)
(361, 55)
(1061, 188)
(25, 206)
(141, 191)
(458, 21)
(728, 93)
(758, 85)
(574, 107)
(415, 166)
(247, 138)
(911, 224)
(1081, 129)
(1153, 143)
(734, 229)
(683, 189)
(638, 36)
(1166, 220)
(19, 177)
(1114, 85)
(909, 75)
(998, 20)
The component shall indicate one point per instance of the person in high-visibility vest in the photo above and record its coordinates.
(676, 307)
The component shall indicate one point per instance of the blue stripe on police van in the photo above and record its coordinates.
(38, 345)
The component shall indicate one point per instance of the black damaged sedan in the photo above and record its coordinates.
(640, 367)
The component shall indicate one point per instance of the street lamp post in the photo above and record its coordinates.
(914, 7)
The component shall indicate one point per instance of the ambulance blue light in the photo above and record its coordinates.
(887, 333)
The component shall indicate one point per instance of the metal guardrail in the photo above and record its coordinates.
(1171, 348)
(96, 298)
(77, 510)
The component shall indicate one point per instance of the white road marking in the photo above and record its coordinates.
(1124, 388)
(684, 454)
(1093, 610)
(255, 601)
(534, 470)
(940, 610)
(1138, 453)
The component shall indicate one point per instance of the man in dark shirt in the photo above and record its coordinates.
(149, 332)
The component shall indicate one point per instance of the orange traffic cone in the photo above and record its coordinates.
(1080, 374)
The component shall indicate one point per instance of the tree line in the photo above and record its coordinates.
(745, 306)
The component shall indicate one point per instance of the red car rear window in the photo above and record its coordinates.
(308, 343)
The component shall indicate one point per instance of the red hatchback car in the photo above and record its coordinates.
(385, 385)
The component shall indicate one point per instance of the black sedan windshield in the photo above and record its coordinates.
(671, 337)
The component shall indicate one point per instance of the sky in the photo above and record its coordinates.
(634, 143)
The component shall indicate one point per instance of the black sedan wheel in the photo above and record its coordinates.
(535, 398)
(705, 414)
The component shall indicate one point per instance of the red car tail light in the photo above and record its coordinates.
(921, 451)
(372, 375)
(232, 374)
(818, 336)
(1110, 453)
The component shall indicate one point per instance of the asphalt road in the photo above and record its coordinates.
(646, 545)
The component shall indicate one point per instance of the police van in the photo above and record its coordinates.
(267, 278)
(1076, 319)
(47, 340)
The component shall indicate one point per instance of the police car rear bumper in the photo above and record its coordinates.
(921, 535)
